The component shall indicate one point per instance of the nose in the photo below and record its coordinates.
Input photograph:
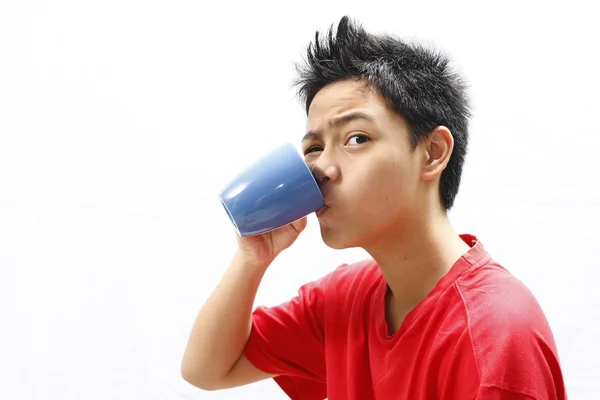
(324, 172)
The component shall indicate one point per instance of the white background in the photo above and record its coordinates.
(121, 120)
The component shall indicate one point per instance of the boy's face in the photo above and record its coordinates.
(373, 185)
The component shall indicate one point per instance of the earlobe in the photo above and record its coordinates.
(440, 144)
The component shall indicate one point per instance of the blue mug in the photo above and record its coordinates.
(275, 191)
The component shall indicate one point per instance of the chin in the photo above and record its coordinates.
(336, 239)
(334, 245)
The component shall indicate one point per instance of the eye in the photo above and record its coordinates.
(356, 140)
(313, 149)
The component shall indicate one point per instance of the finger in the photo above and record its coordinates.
(300, 224)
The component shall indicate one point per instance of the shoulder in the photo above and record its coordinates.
(344, 280)
(355, 276)
(508, 334)
(359, 270)
(497, 302)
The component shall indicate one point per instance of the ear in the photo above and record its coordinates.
(438, 148)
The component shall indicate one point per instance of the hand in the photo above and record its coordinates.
(262, 249)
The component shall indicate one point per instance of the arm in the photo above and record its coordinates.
(213, 358)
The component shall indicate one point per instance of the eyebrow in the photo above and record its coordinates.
(339, 121)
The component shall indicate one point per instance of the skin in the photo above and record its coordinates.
(380, 195)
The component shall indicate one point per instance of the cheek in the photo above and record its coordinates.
(391, 177)
(377, 187)
(392, 189)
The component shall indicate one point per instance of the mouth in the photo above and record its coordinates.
(321, 211)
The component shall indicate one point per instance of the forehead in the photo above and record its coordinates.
(343, 96)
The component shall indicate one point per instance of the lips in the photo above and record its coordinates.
(321, 210)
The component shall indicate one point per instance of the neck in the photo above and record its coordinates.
(413, 260)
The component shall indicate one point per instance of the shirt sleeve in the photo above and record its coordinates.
(288, 340)
(496, 393)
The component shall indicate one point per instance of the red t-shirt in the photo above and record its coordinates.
(479, 334)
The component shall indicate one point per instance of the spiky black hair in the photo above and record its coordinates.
(417, 82)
